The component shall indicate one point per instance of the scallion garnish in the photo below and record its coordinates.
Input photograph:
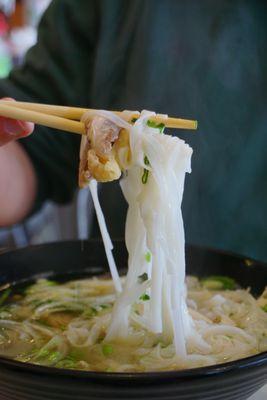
(146, 172)
(146, 160)
(142, 278)
(54, 356)
(43, 353)
(104, 306)
(144, 297)
(76, 355)
(153, 124)
(91, 312)
(107, 349)
(66, 363)
(145, 176)
(160, 127)
(4, 296)
(218, 282)
(51, 283)
(148, 256)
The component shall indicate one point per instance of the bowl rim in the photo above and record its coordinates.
(257, 360)
(10, 250)
(254, 361)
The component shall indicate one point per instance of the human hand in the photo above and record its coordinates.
(11, 129)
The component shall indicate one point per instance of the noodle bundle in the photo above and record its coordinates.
(152, 184)
(66, 325)
(155, 318)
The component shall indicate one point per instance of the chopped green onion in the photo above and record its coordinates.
(54, 356)
(104, 306)
(66, 363)
(146, 160)
(48, 355)
(107, 349)
(38, 302)
(265, 308)
(51, 283)
(153, 124)
(219, 283)
(144, 297)
(43, 353)
(162, 344)
(142, 278)
(146, 172)
(145, 176)
(91, 312)
(63, 328)
(75, 355)
(4, 296)
(148, 256)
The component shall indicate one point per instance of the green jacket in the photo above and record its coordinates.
(195, 59)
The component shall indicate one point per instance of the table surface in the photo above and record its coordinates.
(260, 395)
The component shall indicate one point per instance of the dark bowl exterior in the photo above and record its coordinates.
(234, 381)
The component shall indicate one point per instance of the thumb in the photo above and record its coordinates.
(11, 129)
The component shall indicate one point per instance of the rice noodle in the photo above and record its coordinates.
(72, 332)
(105, 236)
(154, 320)
(156, 230)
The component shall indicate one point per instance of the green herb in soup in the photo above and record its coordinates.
(65, 325)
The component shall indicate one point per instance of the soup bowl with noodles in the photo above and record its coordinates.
(84, 367)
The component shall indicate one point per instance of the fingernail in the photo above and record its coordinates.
(13, 127)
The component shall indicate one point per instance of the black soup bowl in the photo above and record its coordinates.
(233, 380)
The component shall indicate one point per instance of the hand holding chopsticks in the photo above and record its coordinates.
(68, 118)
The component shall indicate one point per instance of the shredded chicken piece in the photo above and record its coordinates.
(103, 170)
(122, 149)
(104, 151)
(102, 133)
(84, 174)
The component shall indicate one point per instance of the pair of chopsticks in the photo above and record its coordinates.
(68, 118)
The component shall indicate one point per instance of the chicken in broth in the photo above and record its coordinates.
(65, 325)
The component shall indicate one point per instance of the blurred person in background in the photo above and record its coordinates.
(196, 59)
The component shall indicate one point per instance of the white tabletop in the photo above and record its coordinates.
(260, 395)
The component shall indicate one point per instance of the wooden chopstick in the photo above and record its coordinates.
(75, 113)
(51, 121)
